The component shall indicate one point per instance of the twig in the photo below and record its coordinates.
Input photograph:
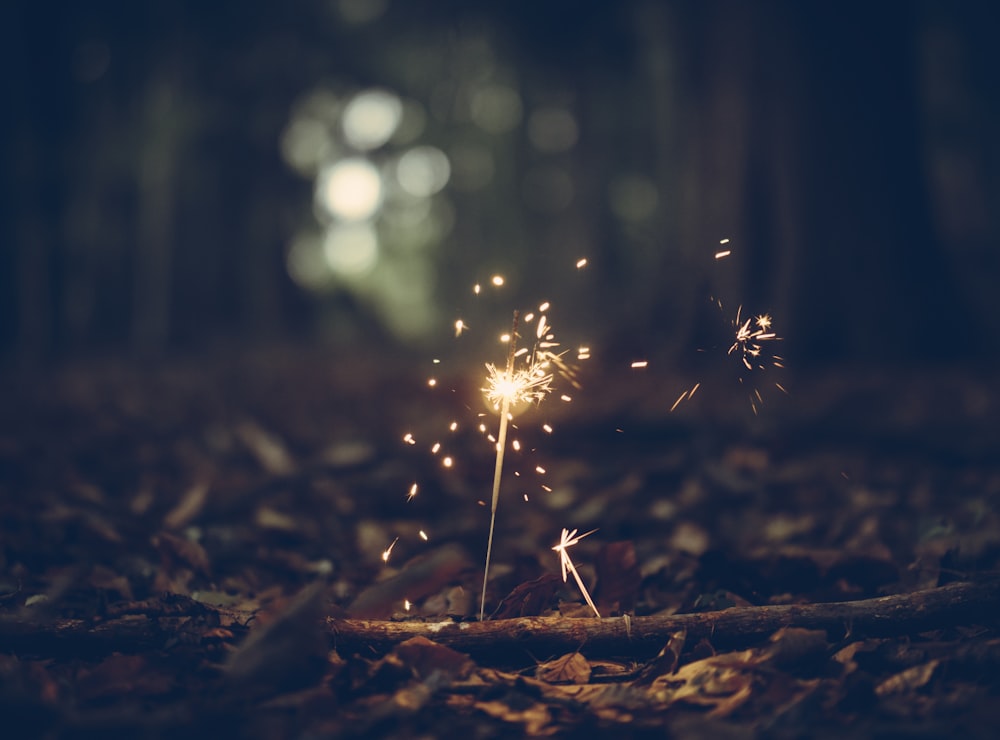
(639, 637)
(508, 639)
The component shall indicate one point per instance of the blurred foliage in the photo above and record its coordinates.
(168, 180)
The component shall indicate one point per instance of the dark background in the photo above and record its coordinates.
(848, 150)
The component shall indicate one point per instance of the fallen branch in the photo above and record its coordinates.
(641, 637)
(145, 626)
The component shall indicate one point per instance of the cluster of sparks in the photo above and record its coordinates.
(528, 376)
(526, 379)
(752, 336)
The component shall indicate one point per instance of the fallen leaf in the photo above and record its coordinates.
(570, 668)
(908, 680)
(528, 599)
(426, 656)
(618, 578)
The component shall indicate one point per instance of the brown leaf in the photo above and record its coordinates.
(528, 599)
(174, 550)
(426, 656)
(188, 507)
(908, 680)
(723, 682)
(420, 577)
(618, 578)
(666, 660)
(119, 675)
(570, 668)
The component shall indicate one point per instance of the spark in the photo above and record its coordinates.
(388, 551)
(540, 470)
(412, 493)
(408, 439)
(436, 448)
(638, 364)
(565, 398)
(724, 241)
(543, 306)
(516, 445)
(453, 426)
(423, 535)
(407, 604)
(477, 288)
(460, 326)
(567, 540)
(497, 280)
(547, 428)
(447, 462)
(432, 382)
(723, 253)
(581, 263)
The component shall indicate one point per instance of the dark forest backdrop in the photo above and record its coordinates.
(169, 171)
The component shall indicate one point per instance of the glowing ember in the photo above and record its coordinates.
(388, 551)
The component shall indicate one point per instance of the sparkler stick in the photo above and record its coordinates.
(567, 540)
(501, 445)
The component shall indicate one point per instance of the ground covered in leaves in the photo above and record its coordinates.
(180, 547)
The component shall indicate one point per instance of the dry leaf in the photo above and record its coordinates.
(425, 657)
(908, 680)
(570, 668)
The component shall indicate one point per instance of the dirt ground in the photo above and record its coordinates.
(197, 547)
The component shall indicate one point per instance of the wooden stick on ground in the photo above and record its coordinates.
(141, 626)
(641, 637)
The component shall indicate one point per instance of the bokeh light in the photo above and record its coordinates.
(371, 118)
(496, 108)
(307, 264)
(359, 12)
(552, 129)
(423, 171)
(633, 197)
(305, 144)
(472, 167)
(351, 250)
(547, 189)
(350, 189)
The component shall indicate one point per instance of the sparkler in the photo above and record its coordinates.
(567, 540)
(507, 389)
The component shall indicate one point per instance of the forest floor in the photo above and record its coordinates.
(254, 548)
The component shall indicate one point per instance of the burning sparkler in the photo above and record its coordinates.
(567, 540)
(508, 388)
